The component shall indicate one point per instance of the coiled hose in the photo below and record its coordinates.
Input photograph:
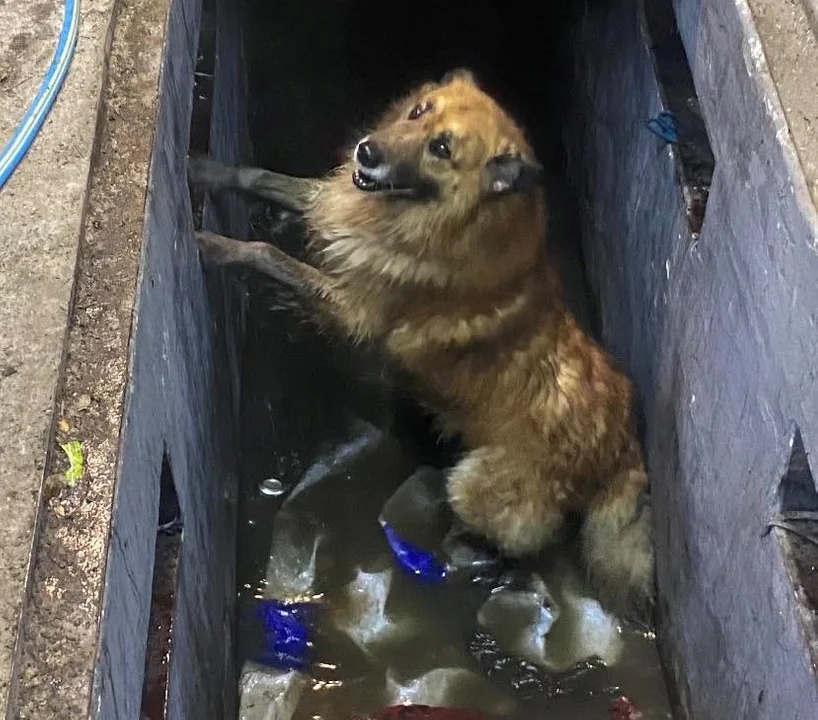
(23, 137)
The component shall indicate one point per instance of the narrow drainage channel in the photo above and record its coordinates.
(328, 451)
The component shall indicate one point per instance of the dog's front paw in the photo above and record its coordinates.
(216, 249)
(208, 174)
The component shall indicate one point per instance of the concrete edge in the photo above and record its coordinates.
(782, 51)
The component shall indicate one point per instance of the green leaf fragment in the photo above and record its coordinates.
(73, 449)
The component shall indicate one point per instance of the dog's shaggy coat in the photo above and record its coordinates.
(430, 242)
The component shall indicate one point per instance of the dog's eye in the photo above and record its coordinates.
(439, 147)
(419, 109)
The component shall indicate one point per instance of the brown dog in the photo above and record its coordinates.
(430, 242)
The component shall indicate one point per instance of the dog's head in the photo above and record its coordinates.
(447, 142)
(443, 191)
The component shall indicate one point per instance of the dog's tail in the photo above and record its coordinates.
(618, 547)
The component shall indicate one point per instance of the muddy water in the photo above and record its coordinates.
(382, 636)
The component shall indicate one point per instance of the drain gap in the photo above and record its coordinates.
(163, 598)
(797, 526)
(692, 152)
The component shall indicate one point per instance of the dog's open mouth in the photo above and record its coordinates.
(399, 181)
(367, 183)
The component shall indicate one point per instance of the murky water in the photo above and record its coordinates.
(499, 637)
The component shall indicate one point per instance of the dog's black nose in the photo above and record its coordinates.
(369, 154)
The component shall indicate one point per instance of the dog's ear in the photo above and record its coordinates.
(509, 173)
(463, 74)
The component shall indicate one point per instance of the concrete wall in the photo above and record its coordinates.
(719, 335)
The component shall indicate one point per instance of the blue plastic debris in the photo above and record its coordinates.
(416, 561)
(286, 637)
(664, 126)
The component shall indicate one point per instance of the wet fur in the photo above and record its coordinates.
(457, 289)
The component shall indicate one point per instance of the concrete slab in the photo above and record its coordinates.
(59, 641)
(42, 209)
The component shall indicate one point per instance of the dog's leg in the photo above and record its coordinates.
(329, 305)
(507, 500)
(291, 192)
(263, 258)
(617, 545)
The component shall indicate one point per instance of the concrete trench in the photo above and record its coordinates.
(168, 374)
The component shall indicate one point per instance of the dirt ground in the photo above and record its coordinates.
(69, 254)
(42, 208)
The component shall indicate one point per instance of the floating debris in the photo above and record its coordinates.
(416, 517)
(424, 712)
(449, 687)
(623, 709)
(583, 630)
(266, 695)
(366, 438)
(468, 553)
(520, 619)
(418, 510)
(291, 568)
(364, 618)
(286, 638)
(414, 560)
(271, 487)
(527, 680)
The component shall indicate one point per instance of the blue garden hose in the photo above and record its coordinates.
(17, 147)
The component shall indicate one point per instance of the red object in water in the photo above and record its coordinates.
(424, 712)
(624, 709)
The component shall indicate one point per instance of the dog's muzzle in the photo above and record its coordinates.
(374, 173)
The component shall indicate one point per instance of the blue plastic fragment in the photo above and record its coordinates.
(664, 126)
(418, 562)
(286, 637)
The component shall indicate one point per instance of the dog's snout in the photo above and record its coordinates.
(369, 155)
